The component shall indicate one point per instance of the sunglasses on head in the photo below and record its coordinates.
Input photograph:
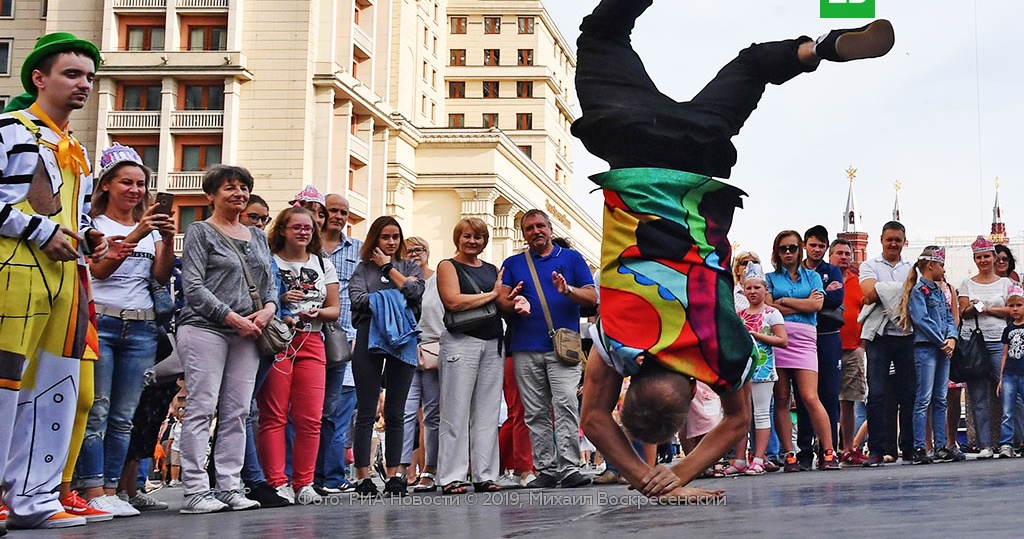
(785, 249)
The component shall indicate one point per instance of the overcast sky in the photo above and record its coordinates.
(943, 113)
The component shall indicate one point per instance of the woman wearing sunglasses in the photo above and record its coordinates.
(797, 292)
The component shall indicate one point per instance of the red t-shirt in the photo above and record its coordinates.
(853, 299)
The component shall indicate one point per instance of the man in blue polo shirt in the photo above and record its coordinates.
(547, 386)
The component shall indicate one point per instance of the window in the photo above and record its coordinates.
(491, 88)
(150, 155)
(3, 101)
(456, 120)
(207, 38)
(141, 97)
(457, 89)
(44, 7)
(525, 57)
(191, 214)
(458, 25)
(492, 25)
(527, 150)
(525, 25)
(524, 122)
(7, 9)
(490, 119)
(457, 57)
(492, 57)
(145, 38)
(198, 97)
(5, 56)
(195, 158)
(524, 88)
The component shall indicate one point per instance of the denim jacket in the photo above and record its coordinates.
(933, 321)
(393, 328)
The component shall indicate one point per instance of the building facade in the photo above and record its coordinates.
(352, 96)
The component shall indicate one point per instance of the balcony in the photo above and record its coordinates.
(359, 149)
(152, 182)
(179, 243)
(185, 181)
(202, 4)
(362, 40)
(198, 120)
(137, 5)
(174, 63)
(133, 119)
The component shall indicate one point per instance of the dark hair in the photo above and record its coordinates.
(101, 198)
(533, 212)
(894, 225)
(656, 404)
(564, 243)
(840, 241)
(256, 199)
(776, 259)
(275, 238)
(218, 175)
(373, 236)
(818, 232)
(1000, 248)
(474, 224)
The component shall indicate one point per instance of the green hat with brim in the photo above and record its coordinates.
(52, 43)
(20, 102)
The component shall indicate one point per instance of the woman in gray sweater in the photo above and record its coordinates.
(382, 267)
(216, 337)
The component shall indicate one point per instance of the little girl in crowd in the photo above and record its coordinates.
(924, 311)
(767, 327)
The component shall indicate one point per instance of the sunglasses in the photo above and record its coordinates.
(787, 249)
(257, 218)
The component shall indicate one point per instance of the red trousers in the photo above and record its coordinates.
(513, 437)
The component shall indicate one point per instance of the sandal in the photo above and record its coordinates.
(455, 487)
(486, 486)
(420, 487)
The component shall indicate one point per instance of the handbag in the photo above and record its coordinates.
(336, 346)
(567, 343)
(276, 335)
(470, 319)
(834, 315)
(163, 303)
(970, 359)
(427, 356)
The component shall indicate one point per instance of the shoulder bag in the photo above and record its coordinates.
(567, 343)
(337, 349)
(276, 335)
(470, 319)
(970, 359)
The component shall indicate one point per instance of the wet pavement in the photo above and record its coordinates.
(969, 499)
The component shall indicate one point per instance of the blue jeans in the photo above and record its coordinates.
(978, 390)
(252, 472)
(127, 349)
(1013, 393)
(339, 403)
(897, 351)
(932, 381)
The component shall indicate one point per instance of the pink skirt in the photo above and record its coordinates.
(802, 352)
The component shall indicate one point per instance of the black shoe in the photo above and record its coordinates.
(366, 488)
(943, 454)
(543, 481)
(266, 495)
(395, 486)
(805, 460)
(921, 457)
(873, 461)
(958, 455)
(574, 480)
(870, 41)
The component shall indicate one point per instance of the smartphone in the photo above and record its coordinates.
(165, 202)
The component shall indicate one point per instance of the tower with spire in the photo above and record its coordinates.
(998, 234)
(896, 207)
(853, 229)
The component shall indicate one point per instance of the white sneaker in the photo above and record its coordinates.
(985, 453)
(307, 496)
(236, 500)
(509, 480)
(174, 484)
(286, 492)
(1006, 451)
(113, 505)
(202, 503)
(525, 480)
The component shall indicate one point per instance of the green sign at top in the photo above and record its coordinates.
(847, 9)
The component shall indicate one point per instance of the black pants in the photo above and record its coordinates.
(629, 123)
(370, 371)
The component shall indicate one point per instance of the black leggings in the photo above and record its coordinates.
(629, 123)
(369, 371)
